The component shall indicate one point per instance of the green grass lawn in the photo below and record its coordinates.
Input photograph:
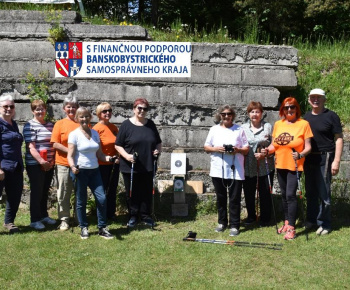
(159, 259)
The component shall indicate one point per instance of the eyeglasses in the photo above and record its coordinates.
(292, 107)
(142, 108)
(225, 114)
(40, 110)
(106, 111)
(9, 107)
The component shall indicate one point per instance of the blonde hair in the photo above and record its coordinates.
(102, 107)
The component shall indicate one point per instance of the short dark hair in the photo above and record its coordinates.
(253, 106)
(219, 110)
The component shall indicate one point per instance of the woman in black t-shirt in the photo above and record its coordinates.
(138, 143)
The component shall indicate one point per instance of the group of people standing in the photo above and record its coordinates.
(242, 157)
(79, 157)
(246, 157)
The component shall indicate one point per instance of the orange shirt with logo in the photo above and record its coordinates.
(108, 135)
(287, 136)
(60, 134)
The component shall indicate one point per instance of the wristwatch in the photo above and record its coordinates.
(301, 156)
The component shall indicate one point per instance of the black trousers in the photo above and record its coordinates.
(288, 182)
(40, 182)
(140, 202)
(249, 187)
(13, 184)
(235, 191)
(110, 184)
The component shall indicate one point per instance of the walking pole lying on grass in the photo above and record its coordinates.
(191, 237)
(273, 205)
(135, 155)
(301, 197)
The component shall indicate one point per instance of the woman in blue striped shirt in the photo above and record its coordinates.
(40, 161)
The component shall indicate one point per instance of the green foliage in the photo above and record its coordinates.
(206, 206)
(38, 86)
(57, 33)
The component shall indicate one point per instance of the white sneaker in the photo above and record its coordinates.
(48, 220)
(37, 225)
(322, 231)
(64, 226)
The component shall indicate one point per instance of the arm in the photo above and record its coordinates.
(101, 156)
(124, 154)
(158, 149)
(339, 143)
(45, 164)
(60, 147)
(243, 150)
(210, 149)
(70, 157)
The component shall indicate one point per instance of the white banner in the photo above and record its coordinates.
(123, 59)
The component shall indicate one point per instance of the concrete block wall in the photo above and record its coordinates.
(182, 108)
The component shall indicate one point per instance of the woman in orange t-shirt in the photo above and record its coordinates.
(291, 143)
(59, 138)
(109, 171)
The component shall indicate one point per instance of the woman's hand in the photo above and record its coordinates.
(46, 166)
(295, 155)
(260, 156)
(2, 175)
(75, 170)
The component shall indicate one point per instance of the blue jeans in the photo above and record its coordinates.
(90, 178)
(318, 193)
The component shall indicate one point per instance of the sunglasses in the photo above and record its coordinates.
(142, 109)
(225, 114)
(286, 108)
(9, 107)
(106, 111)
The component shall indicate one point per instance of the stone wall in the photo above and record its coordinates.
(182, 108)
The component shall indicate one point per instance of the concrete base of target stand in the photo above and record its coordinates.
(179, 209)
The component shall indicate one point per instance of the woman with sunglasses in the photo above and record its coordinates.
(138, 143)
(256, 168)
(11, 163)
(227, 145)
(109, 170)
(291, 142)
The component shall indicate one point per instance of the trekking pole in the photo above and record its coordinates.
(300, 196)
(271, 193)
(191, 237)
(135, 155)
(258, 149)
(74, 177)
(111, 176)
(154, 184)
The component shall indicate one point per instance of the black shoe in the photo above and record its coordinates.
(104, 233)
(249, 221)
(148, 222)
(84, 233)
(263, 224)
(132, 222)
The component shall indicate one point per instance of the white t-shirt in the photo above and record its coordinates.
(85, 154)
(220, 163)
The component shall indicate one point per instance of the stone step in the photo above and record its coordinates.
(24, 16)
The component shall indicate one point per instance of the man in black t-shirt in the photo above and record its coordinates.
(323, 161)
